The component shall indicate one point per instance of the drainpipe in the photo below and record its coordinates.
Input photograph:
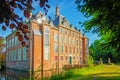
(31, 51)
(42, 52)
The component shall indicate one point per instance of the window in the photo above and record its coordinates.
(12, 41)
(46, 53)
(80, 43)
(15, 54)
(24, 53)
(69, 40)
(61, 38)
(7, 56)
(55, 48)
(76, 42)
(65, 31)
(55, 37)
(74, 57)
(7, 43)
(73, 41)
(66, 57)
(77, 50)
(66, 49)
(65, 39)
(61, 57)
(11, 55)
(70, 50)
(73, 50)
(46, 39)
(16, 40)
(61, 48)
(60, 29)
(56, 57)
(46, 44)
(19, 54)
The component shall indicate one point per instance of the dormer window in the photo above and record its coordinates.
(39, 20)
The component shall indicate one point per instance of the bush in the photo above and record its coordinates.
(90, 61)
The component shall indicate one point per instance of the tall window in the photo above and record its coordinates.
(55, 37)
(61, 38)
(7, 56)
(66, 49)
(12, 41)
(55, 48)
(70, 49)
(61, 48)
(46, 53)
(15, 54)
(77, 50)
(24, 53)
(16, 40)
(76, 42)
(65, 39)
(73, 49)
(7, 43)
(60, 29)
(46, 39)
(69, 40)
(19, 54)
(46, 44)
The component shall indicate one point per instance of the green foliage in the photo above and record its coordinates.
(105, 20)
(97, 51)
(90, 61)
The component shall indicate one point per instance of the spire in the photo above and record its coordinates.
(57, 11)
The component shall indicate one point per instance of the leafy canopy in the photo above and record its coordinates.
(105, 19)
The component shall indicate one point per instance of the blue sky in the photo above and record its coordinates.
(67, 9)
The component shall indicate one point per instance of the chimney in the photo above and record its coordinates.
(30, 15)
(57, 11)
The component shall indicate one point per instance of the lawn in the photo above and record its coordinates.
(101, 72)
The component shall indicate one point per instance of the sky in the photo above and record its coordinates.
(67, 9)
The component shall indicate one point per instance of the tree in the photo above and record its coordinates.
(105, 18)
(1, 44)
(8, 17)
(98, 51)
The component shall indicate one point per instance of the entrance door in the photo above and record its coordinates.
(70, 60)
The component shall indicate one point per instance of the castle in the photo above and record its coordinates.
(52, 45)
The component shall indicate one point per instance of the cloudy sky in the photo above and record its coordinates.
(67, 9)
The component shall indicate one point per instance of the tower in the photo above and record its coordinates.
(57, 11)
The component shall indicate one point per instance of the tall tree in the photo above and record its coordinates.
(105, 18)
(97, 51)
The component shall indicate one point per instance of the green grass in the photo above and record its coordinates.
(101, 72)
